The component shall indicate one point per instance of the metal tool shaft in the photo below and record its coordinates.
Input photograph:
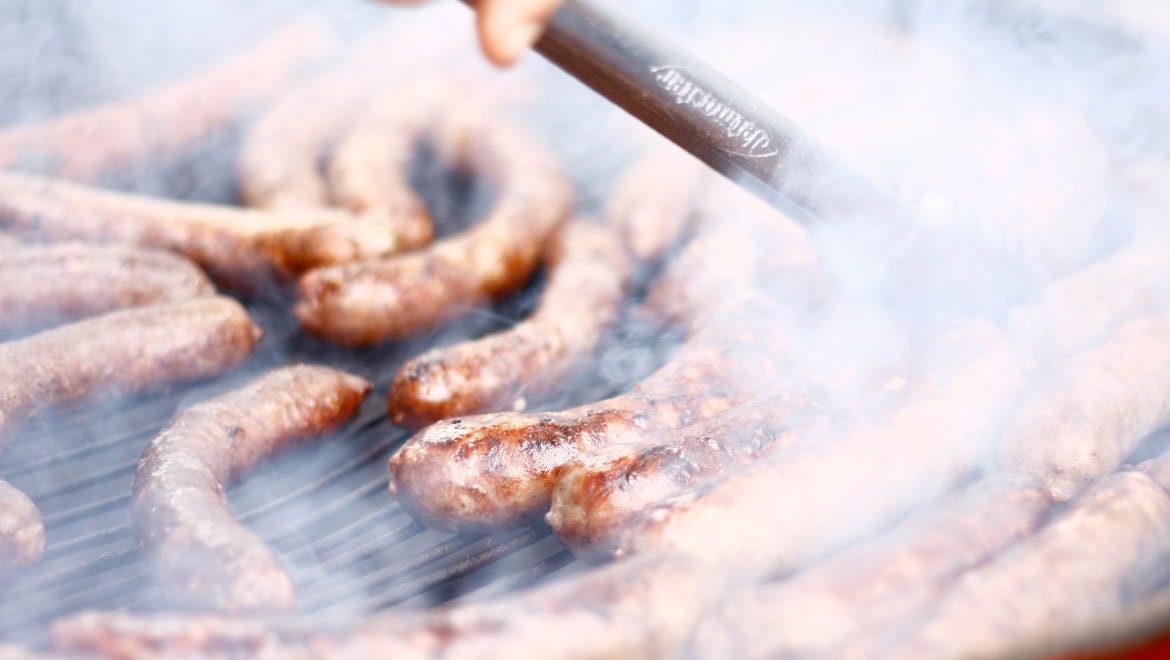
(677, 94)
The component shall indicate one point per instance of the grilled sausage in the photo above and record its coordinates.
(95, 142)
(740, 243)
(200, 552)
(645, 607)
(42, 286)
(22, 535)
(652, 205)
(240, 248)
(1100, 551)
(385, 299)
(1082, 419)
(497, 470)
(368, 170)
(279, 165)
(850, 602)
(588, 273)
(596, 494)
(828, 491)
(125, 352)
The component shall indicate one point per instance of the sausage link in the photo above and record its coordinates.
(202, 555)
(588, 275)
(827, 491)
(22, 535)
(642, 608)
(1084, 417)
(93, 143)
(242, 249)
(497, 470)
(125, 352)
(652, 205)
(385, 299)
(849, 603)
(42, 286)
(1087, 563)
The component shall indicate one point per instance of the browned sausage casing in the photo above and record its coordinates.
(202, 555)
(96, 142)
(240, 248)
(828, 491)
(852, 600)
(1083, 418)
(588, 274)
(385, 299)
(125, 352)
(46, 285)
(497, 470)
(22, 535)
(599, 492)
(642, 608)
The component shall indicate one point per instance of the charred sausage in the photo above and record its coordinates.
(385, 299)
(497, 470)
(859, 479)
(202, 555)
(588, 273)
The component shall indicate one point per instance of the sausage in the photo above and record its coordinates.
(385, 299)
(644, 607)
(588, 276)
(201, 554)
(497, 470)
(1096, 554)
(368, 172)
(860, 479)
(1083, 418)
(600, 491)
(279, 165)
(1082, 308)
(93, 143)
(740, 243)
(125, 352)
(855, 361)
(42, 286)
(22, 535)
(652, 205)
(242, 249)
(849, 603)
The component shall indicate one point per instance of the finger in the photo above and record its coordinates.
(507, 28)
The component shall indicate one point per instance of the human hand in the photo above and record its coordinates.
(507, 28)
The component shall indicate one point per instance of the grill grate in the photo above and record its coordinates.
(324, 508)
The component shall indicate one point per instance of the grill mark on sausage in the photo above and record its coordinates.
(827, 491)
(645, 607)
(497, 470)
(1080, 567)
(243, 249)
(42, 286)
(95, 142)
(1083, 418)
(22, 535)
(126, 352)
(588, 276)
(384, 299)
(851, 602)
(200, 553)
